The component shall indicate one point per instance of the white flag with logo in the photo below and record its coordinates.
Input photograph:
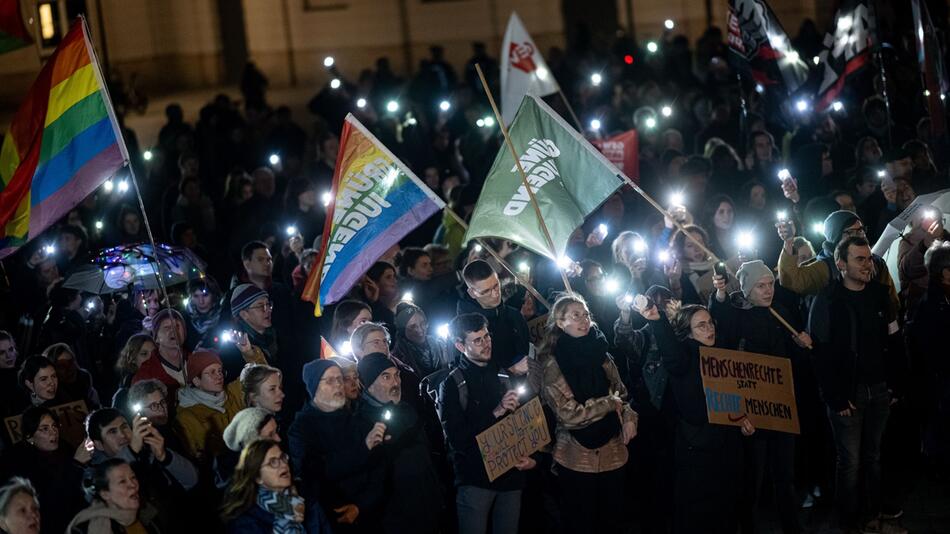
(523, 70)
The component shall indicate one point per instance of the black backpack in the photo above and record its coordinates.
(430, 385)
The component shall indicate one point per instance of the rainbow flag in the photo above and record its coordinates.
(64, 141)
(377, 200)
(13, 34)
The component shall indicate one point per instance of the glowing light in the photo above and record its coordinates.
(123, 186)
(628, 299)
(845, 23)
(602, 230)
(801, 106)
(147, 155)
(541, 73)
(926, 92)
(781, 215)
(652, 47)
(792, 57)
(930, 214)
(291, 230)
(818, 227)
(759, 88)
(595, 124)
(361, 103)
(564, 262)
(677, 199)
(596, 78)
(327, 198)
(663, 256)
(274, 159)
(837, 105)
(523, 267)
(186, 301)
(346, 348)
(226, 337)
(943, 96)
(99, 225)
(612, 285)
(328, 61)
(49, 249)
(881, 173)
(392, 106)
(443, 331)
(407, 296)
(137, 407)
(480, 123)
(669, 24)
(108, 185)
(91, 305)
(445, 105)
(521, 390)
(628, 59)
(478, 249)
(489, 122)
(411, 121)
(783, 174)
(745, 240)
(639, 246)
(335, 83)
(650, 123)
(666, 111)
(387, 415)
(815, 59)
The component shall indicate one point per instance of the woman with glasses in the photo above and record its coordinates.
(262, 497)
(707, 457)
(594, 423)
(53, 468)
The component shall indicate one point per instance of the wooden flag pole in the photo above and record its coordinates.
(524, 177)
(494, 254)
(698, 243)
(570, 109)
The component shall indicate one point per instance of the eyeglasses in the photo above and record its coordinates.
(854, 232)
(157, 406)
(47, 429)
(493, 290)
(333, 380)
(705, 325)
(577, 316)
(268, 306)
(480, 341)
(277, 461)
(377, 342)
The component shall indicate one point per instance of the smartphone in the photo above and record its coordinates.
(720, 269)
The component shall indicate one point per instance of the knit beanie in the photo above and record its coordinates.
(198, 361)
(836, 223)
(373, 365)
(244, 296)
(405, 312)
(244, 428)
(313, 372)
(751, 272)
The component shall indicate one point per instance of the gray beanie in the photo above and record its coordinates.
(836, 223)
(244, 428)
(749, 273)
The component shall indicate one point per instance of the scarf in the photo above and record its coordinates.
(581, 361)
(424, 359)
(192, 396)
(287, 508)
(267, 341)
(202, 322)
(100, 517)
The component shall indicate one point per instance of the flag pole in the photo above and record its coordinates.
(524, 177)
(570, 109)
(697, 242)
(494, 254)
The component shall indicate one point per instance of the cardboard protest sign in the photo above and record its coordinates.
(536, 328)
(72, 417)
(520, 434)
(744, 384)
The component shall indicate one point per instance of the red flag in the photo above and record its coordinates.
(622, 150)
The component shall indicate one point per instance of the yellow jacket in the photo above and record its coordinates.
(201, 428)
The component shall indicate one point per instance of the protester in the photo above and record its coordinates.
(167, 362)
(351, 378)
(482, 294)
(347, 316)
(76, 383)
(369, 338)
(202, 309)
(117, 507)
(19, 507)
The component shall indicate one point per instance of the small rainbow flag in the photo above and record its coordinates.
(326, 349)
(376, 201)
(64, 141)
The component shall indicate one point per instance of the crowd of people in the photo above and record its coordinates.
(214, 407)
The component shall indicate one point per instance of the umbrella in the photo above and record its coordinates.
(897, 228)
(136, 266)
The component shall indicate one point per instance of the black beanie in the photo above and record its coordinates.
(371, 366)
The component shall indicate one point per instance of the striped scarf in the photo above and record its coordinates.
(287, 508)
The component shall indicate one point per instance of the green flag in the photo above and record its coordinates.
(568, 176)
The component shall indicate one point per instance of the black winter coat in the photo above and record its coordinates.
(508, 329)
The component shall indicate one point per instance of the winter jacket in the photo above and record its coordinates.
(640, 366)
(508, 329)
(152, 369)
(743, 326)
(681, 359)
(201, 428)
(256, 520)
(57, 478)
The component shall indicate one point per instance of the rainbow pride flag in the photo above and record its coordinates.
(64, 141)
(13, 34)
(376, 201)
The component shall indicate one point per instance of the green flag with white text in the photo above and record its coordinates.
(567, 175)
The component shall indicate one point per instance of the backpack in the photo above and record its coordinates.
(431, 384)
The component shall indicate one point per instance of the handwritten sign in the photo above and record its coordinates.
(72, 417)
(536, 328)
(744, 384)
(521, 434)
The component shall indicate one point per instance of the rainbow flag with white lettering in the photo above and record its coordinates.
(64, 141)
(376, 201)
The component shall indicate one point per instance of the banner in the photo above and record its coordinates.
(623, 150)
(847, 49)
(72, 419)
(744, 384)
(568, 176)
(536, 328)
(64, 141)
(762, 48)
(13, 34)
(520, 434)
(523, 70)
(376, 201)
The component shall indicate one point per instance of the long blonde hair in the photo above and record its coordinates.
(552, 331)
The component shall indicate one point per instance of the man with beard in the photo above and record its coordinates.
(330, 454)
(858, 358)
(401, 469)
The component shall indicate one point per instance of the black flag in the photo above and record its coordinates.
(847, 49)
(764, 50)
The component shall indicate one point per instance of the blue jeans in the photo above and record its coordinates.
(858, 443)
(476, 505)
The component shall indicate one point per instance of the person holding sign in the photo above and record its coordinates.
(594, 423)
(707, 457)
(746, 324)
(472, 399)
